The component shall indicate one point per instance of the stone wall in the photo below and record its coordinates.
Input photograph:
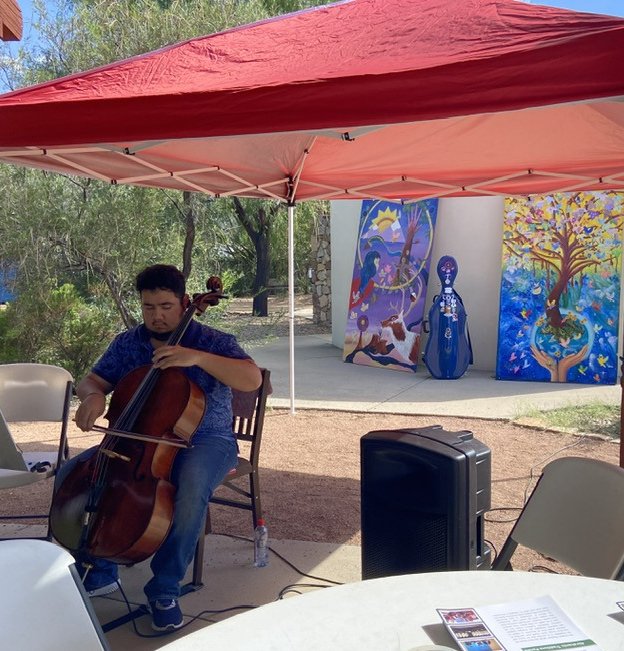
(320, 266)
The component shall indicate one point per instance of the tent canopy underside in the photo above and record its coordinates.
(532, 151)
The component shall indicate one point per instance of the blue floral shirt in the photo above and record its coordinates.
(133, 348)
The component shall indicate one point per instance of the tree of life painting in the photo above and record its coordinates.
(560, 290)
(387, 296)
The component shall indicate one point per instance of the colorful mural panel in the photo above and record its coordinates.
(560, 290)
(389, 287)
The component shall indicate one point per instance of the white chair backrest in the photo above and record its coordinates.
(576, 515)
(10, 457)
(42, 606)
(32, 392)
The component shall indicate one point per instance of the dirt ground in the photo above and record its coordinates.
(310, 472)
(249, 328)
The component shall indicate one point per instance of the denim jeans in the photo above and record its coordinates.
(197, 471)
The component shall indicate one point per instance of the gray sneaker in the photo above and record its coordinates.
(95, 588)
(166, 614)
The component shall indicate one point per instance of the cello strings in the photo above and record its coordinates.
(127, 420)
(132, 409)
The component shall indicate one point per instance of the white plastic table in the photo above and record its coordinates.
(399, 613)
(43, 605)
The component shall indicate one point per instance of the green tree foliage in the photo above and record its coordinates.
(235, 250)
(61, 227)
(55, 326)
(277, 7)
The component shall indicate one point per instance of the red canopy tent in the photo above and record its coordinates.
(362, 98)
(359, 99)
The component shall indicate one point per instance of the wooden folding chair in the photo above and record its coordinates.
(248, 408)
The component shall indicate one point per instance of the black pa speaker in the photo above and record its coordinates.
(424, 494)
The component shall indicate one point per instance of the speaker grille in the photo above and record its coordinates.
(402, 541)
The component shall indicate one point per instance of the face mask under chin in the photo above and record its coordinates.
(160, 336)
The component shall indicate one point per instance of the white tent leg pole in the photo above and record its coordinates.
(291, 304)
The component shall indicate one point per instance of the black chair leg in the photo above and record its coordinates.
(503, 560)
(256, 506)
(196, 582)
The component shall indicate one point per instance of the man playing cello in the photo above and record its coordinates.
(214, 362)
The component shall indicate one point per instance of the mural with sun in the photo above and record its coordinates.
(560, 290)
(389, 287)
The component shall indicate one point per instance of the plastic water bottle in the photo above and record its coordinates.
(261, 544)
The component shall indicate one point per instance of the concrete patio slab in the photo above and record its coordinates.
(231, 583)
(324, 381)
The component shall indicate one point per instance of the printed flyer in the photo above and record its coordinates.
(531, 625)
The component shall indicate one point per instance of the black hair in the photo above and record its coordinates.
(162, 276)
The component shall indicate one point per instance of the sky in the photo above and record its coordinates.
(610, 7)
(27, 10)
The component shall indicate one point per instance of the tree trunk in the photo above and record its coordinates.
(116, 292)
(555, 320)
(261, 281)
(82, 261)
(258, 229)
(189, 238)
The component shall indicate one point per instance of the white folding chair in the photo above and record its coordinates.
(32, 393)
(43, 604)
(575, 515)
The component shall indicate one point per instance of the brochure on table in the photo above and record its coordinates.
(531, 625)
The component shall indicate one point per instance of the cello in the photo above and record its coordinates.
(118, 504)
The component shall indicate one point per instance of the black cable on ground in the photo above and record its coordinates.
(142, 609)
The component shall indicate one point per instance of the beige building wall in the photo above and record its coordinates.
(468, 229)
